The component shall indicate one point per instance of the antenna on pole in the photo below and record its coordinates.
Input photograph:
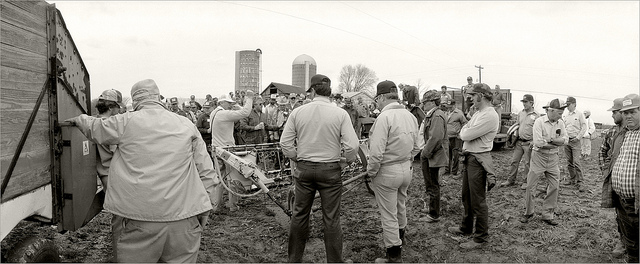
(479, 72)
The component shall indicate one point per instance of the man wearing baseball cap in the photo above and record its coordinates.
(576, 127)
(549, 132)
(522, 148)
(203, 123)
(223, 119)
(313, 138)
(621, 187)
(435, 152)
(604, 160)
(466, 100)
(478, 174)
(174, 107)
(160, 183)
(109, 104)
(393, 142)
(455, 121)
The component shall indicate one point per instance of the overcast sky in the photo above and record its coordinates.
(589, 50)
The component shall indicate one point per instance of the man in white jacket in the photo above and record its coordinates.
(222, 124)
(585, 141)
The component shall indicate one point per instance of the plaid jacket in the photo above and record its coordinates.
(607, 190)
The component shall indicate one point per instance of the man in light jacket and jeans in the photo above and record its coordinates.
(160, 179)
(477, 170)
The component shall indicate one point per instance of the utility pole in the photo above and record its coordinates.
(479, 72)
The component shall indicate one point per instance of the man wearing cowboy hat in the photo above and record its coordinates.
(161, 182)
(549, 133)
(393, 143)
(621, 187)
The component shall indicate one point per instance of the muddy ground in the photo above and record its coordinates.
(258, 232)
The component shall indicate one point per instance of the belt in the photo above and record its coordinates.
(524, 140)
(317, 163)
(547, 151)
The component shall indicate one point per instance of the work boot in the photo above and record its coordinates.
(393, 255)
(506, 183)
(619, 250)
(471, 245)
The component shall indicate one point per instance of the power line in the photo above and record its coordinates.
(566, 70)
(336, 28)
(401, 30)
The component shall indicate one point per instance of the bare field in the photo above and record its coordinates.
(258, 232)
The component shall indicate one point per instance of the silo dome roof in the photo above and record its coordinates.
(303, 58)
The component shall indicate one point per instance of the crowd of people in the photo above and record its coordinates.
(161, 184)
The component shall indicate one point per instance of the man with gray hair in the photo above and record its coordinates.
(160, 180)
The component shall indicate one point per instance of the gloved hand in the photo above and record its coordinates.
(423, 154)
(73, 120)
(203, 218)
(343, 163)
(490, 184)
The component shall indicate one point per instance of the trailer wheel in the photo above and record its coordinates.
(34, 250)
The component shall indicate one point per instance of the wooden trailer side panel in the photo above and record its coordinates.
(24, 67)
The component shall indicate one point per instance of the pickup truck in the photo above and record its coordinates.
(505, 119)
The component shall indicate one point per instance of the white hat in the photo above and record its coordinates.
(225, 98)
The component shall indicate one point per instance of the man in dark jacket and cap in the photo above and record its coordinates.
(435, 153)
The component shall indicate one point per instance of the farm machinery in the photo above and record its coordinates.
(263, 169)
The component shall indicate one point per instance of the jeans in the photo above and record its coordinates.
(573, 150)
(455, 144)
(432, 187)
(325, 178)
(474, 182)
(390, 186)
(543, 164)
(522, 150)
(628, 222)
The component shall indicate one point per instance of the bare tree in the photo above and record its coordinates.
(357, 78)
(419, 85)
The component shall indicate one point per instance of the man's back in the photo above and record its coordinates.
(153, 165)
(319, 127)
